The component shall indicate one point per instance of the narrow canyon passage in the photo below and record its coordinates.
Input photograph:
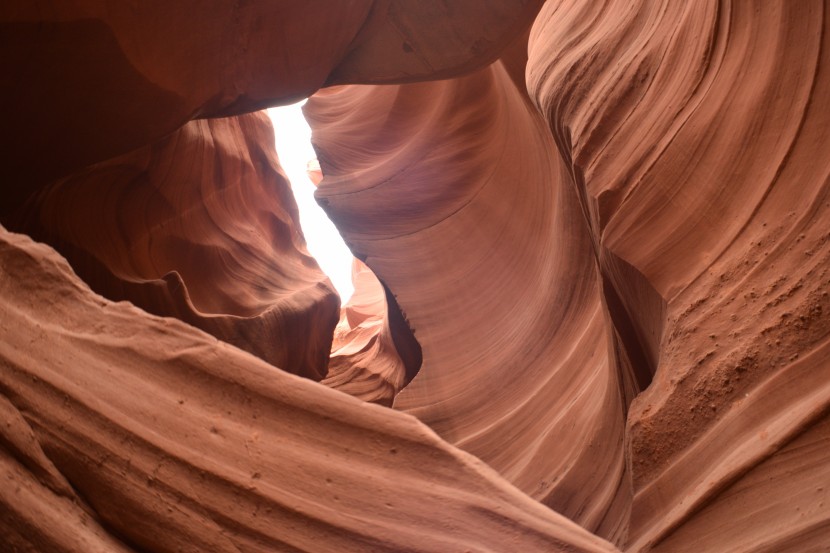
(365, 361)
(591, 276)
(297, 159)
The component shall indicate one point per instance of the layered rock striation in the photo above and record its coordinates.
(124, 431)
(449, 192)
(364, 361)
(201, 226)
(694, 133)
(602, 260)
(95, 79)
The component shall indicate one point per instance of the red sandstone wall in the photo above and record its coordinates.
(612, 249)
(201, 226)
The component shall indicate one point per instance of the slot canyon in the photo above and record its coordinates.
(592, 277)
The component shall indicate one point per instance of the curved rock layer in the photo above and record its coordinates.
(364, 361)
(95, 79)
(201, 226)
(449, 192)
(697, 133)
(620, 292)
(129, 432)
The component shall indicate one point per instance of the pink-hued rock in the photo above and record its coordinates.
(201, 226)
(121, 423)
(449, 192)
(92, 79)
(697, 136)
(603, 260)
(364, 361)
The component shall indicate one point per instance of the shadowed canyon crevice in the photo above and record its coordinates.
(592, 277)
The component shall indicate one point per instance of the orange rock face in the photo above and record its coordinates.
(200, 226)
(92, 79)
(693, 132)
(490, 230)
(120, 423)
(602, 258)
(364, 361)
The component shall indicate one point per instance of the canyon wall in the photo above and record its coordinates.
(696, 136)
(697, 238)
(201, 226)
(124, 431)
(94, 79)
(449, 192)
(364, 361)
(598, 316)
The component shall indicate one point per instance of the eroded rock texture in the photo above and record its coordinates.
(200, 226)
(364, 361)
(697, 139)
(120, 423)
(701, 222)
(93, 79)
(600, 242)
(491, 231)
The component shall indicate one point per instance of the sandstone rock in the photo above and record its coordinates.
(201, 226)
(607, 252)
(694, 132)
(449, 192)
(175, 441)
(364, 361)
(90, 80)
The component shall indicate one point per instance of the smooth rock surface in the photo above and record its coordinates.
(602, 244)
(364, 361)
(697, 134)
(201, 226)
(122, 423)
(449, 192)
(93, 79)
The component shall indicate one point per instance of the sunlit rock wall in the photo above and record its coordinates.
(364, 361)
(92, 79)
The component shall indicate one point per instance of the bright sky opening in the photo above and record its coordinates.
(293, 139)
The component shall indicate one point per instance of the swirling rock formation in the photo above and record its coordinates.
(364, 359)
(709, 277)
(95, 79)
(694, 133)
(200, 226)
(607, 252)
(213, 449)
(448, 191)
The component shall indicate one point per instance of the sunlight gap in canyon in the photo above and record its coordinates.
(293, 142)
